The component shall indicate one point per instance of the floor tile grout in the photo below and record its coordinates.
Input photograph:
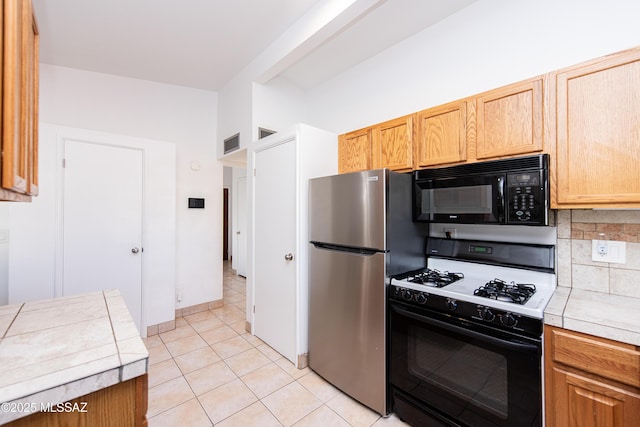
(351, 413)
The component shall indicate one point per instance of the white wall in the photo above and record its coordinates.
(234, 111)
(36, 227)
(489, 44)
(143, 109)
(277, 106)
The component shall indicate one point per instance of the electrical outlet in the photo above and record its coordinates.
(179, 294)
(609, 251)
(449, 232)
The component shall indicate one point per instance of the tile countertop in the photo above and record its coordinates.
(604, 315)
(56, 350)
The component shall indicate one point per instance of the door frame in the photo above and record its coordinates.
(59, 232)
(225, 224)
(240, 257)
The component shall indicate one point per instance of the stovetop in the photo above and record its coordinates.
(497, 289)
(531, 289)
(430, 277)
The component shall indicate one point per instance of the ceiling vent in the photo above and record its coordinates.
(263, 133)
(232, 143)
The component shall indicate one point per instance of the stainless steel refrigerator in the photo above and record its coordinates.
(360, 232)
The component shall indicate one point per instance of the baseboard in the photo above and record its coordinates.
(303, 360)
(181, 312)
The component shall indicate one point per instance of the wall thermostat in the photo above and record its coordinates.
(196, 203)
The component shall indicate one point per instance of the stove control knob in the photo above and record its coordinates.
(486, 314)
(421, 298)
(452, 304)
(406, 294)
(509, 320)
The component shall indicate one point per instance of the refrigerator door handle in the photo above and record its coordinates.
(339, 248)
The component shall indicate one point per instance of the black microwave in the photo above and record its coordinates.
(511, 191)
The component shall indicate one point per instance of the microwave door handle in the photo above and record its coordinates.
(510, 345)
(501, 201)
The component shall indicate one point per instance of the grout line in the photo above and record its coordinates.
(260, 400)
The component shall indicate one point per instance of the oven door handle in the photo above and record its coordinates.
(520, 346)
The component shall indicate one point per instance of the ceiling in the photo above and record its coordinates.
(204, 43)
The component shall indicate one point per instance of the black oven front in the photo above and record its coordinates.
(451, 371)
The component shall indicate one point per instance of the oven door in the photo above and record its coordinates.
(448, 372)
(474, 199)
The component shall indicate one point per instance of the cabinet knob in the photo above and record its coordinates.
(135, 250)
(288, 257)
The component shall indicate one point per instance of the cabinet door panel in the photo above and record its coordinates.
(509, 120)
(591, 403)
(14, 152)
(30, 99)
(392, 144)
(442, 135)
(354, 151)
(19, 99)
(598, 129)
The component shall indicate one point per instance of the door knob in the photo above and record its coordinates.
(135, 250)
(288, 257)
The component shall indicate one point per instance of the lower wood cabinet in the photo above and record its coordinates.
(123, 404)
(590, 381)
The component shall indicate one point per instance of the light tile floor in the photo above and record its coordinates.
(210, 371)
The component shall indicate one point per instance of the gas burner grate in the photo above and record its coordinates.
(497, 289)
(430, 277)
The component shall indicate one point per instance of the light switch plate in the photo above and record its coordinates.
(614, 251)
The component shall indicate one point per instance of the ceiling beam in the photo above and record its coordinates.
(325, 20)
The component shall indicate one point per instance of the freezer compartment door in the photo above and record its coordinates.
(349, 209)
(347, 323)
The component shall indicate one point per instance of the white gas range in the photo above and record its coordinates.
(493, 282)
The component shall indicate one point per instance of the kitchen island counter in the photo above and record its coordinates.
(600, 314)
(57, 350)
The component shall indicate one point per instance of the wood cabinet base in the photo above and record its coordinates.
(590, 381)
(123, 404)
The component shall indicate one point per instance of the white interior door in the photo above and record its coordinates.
(240, 259)
(275, 291)
(102, 221)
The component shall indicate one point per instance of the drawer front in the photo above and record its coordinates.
(609, 359)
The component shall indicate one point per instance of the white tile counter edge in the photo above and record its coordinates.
(131, 362)
(600, 314)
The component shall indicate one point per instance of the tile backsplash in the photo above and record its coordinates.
(576, 229)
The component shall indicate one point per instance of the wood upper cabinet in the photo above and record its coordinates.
(509, 120)
(392, 144)
(354, 151)
(598, 133)
(20, 44)
(590, 381)
(441, 135)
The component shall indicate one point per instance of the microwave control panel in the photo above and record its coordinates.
(525, 199)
